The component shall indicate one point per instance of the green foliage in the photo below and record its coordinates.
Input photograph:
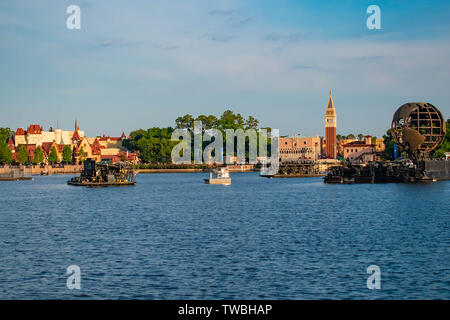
(251, 123)
(67, 154)
(173, 166)
(154, 145)
(185, 122)
(351, 136)
(38, 155)
(229, 120)
(5, 133)
(22, 154)
(53, 156)
(438, 153)
(445, 146)
(209, 122)
(360, 137)
(389, 143)
(5, 153)
(81, 155)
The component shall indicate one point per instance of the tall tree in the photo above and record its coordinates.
(5, 133)
(204, 120)
(185, 122)
(445, 146)
(389, 145)
(360, 137)
(67, 154)
(22, 154)
(5, 153)
(38, 155)
(81, 155)
(211, 121)
(53, 156)
(251, 123)
(229, 120)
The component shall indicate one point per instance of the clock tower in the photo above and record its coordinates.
(330, 130)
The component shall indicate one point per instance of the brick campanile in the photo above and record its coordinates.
(330, 130)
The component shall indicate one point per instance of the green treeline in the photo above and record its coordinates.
(155, 144)
(5, 152)
(445, 146)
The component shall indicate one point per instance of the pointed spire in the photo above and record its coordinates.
(76, 135)
(330, 102)
(76, 125)
(11, 144)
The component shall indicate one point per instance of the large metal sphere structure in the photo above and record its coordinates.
(418, 128)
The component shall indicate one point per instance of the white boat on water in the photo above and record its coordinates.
(222, 177)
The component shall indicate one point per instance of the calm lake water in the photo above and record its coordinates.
(173, 237)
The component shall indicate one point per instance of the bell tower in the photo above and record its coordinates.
(330, 130)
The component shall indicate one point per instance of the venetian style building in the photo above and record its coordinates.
(330, 130)
(299, 148)
(360, 151)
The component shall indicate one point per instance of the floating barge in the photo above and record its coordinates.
(105, 175)
(222, 177)
(402, 171)
(16, 174)
(296, 169)
(15, 179)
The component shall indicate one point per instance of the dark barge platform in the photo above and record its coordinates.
(402, 171)
(97, 175)
(296, 169)
(99, 184)
(286, 176)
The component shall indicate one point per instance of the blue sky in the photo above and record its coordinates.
(139, 64)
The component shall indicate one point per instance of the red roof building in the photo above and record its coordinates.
(60, 147)
(76, 135)
(30, 150)
(34, 129)
(46, 147)
(11, 144)
(360, 151)
(96, 147)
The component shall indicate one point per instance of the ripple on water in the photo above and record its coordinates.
(173, 237)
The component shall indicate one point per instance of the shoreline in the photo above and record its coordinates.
(76, 169)
(231, 168)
